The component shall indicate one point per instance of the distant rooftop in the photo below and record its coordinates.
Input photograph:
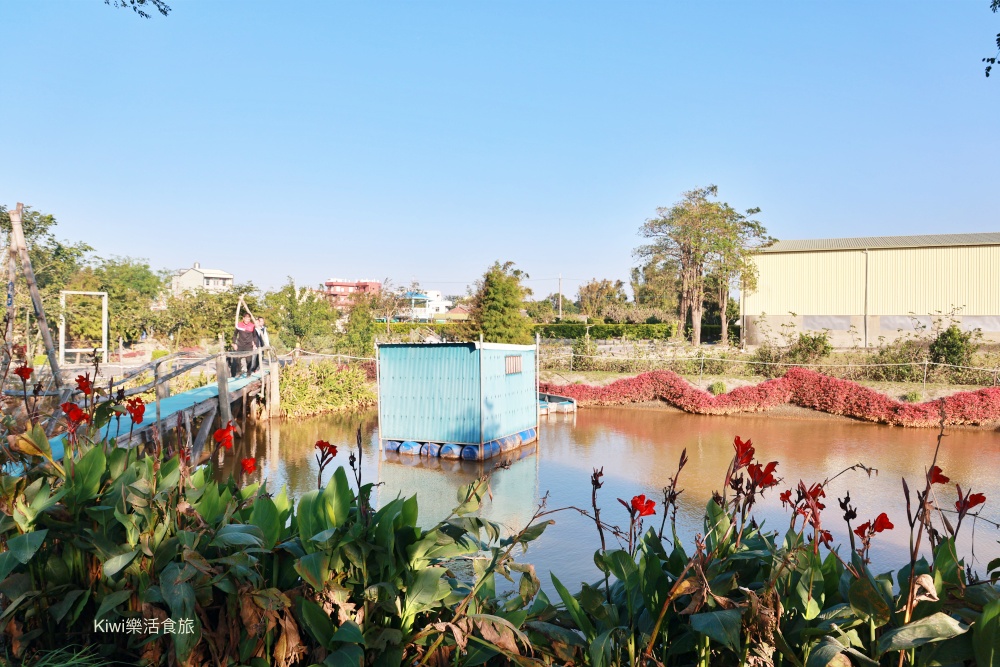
(210, 273)
(873, 242)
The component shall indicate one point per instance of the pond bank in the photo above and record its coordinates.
(798, 387)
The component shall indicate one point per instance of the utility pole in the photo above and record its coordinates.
(560, 296)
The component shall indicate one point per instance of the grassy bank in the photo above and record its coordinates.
(324, 386)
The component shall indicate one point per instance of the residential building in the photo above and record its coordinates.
(458, 314)
(425, 306)
(340, 292)
(197, 278)
(862, 290)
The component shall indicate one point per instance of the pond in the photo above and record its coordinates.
(639, 450)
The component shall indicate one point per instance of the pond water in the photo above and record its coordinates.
(639, 450)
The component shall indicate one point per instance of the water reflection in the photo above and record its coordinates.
(639, 450)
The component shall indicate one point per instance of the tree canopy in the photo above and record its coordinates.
(595, 295)
(497, 304)
(702, 236)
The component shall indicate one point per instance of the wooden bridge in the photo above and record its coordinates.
(187, 419)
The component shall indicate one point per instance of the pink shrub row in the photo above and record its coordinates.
(799, 386)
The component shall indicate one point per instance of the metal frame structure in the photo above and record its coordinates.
(62, 325)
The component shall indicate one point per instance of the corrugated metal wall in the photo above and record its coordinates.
(510, 404)
(900, 281)
(429, 393)
(926, 280)
(808, 283)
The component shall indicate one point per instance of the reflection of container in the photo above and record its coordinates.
(474, 394)
(513, 485)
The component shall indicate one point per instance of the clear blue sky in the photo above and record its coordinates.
(427, 139)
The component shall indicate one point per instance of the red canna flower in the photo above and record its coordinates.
(249, 465)
(825, 538)
(84, 385)
(24, 372)
(786, 497)
(882, 523)
(966, 503)
(814, 493)
(937, 477)
(224, 436)
(325, 448)
(744, 453)
(136, 409)
(862, 530)
(762, 477)
(642, 506)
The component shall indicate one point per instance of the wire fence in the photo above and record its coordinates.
(922, 371)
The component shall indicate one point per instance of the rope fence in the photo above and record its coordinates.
(906, 371)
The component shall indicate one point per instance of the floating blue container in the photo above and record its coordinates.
(392, 446)
(409, 447)
(457, 394)
(451, 451)
(430, 449)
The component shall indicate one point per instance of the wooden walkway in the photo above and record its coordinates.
(179, 412)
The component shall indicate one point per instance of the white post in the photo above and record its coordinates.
(62, 329)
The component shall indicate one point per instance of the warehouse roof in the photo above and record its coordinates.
(872, 242)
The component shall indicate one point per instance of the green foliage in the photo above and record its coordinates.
(497, 305)
(595, 295)
(201, 316)
(300, 318)
(158, 354)
(912, 396)
(953, 346)
(361, 329)
(717, 387)
(323, 386)
(608, 331)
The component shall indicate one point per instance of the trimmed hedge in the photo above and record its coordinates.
(606, 331)
(563, 330)
(798, 386)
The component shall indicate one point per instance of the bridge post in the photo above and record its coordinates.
(222, 378)
(273, 395)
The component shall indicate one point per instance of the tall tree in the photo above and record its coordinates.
(361, 328)
(594, 295)
(730, 262)
(497, 304)
(694, 232)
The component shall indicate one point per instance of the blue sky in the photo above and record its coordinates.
(427, 139)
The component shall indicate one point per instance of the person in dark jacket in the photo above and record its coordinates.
(244, 340)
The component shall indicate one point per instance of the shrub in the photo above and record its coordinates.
(903, 359)
(953, 346)
(809, 348)
(662, 331)
(717, 387)
(158, 354)
(911, 396)
(324, 386)
(799, 386)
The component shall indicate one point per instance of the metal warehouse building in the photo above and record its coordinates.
(863, 289)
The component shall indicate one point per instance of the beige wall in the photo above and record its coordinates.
(827, 290)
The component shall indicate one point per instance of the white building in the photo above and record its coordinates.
(425, 306)
(196, 278)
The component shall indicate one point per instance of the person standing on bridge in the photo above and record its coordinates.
(263, 340)
(244, 340)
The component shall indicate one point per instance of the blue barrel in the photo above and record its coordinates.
(392, 445)
(471, 453)
(451, 451)
(430, 450)
(510, 443)
(491, 449)
(409, 447)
